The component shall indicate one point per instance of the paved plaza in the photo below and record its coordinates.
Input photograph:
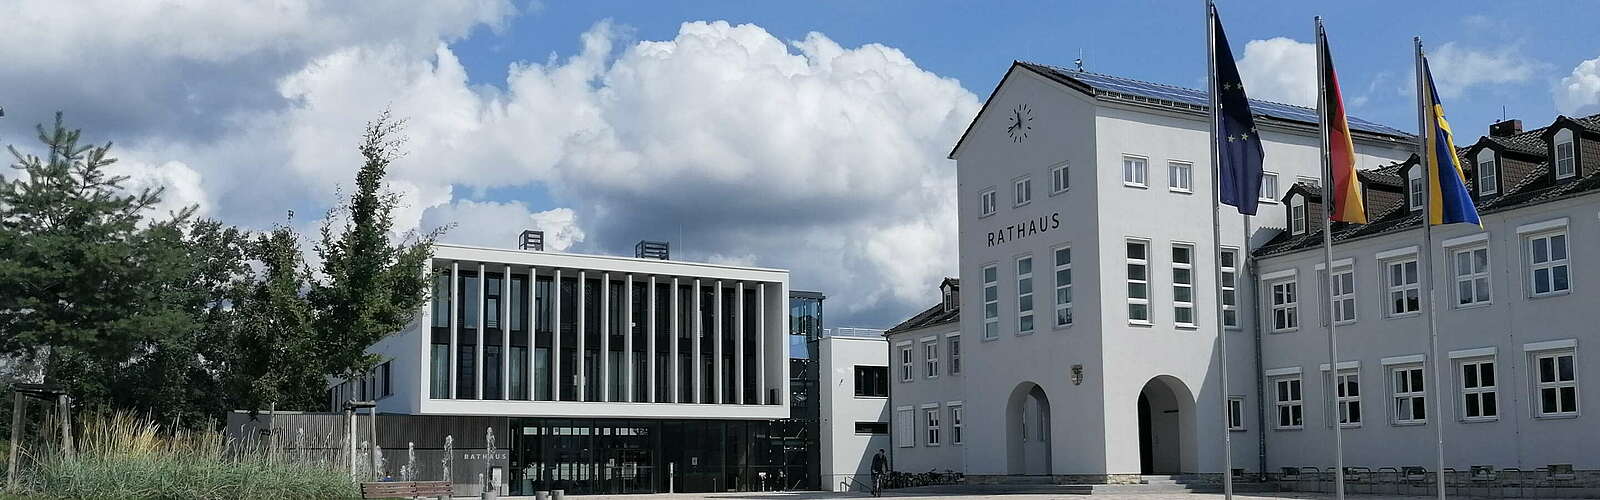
(810, 495)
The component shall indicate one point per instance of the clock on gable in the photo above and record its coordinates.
(1021, 123)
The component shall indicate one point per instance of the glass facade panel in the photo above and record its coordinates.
(618, 456)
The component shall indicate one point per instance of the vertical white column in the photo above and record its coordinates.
(697, 390)
(455, 319)
(578, 361)
(738, 345)
(555, 335)
(532, 327)
(627, 340)
(477, 368)
(676, 382)
(761, 343)
(721, 383)
(505, 334)
(650, 344)
(605, 337)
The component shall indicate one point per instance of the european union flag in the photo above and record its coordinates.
(1238, 147)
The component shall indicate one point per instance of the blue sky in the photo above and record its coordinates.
(809, 136)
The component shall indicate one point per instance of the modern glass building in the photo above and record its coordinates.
(613, 374)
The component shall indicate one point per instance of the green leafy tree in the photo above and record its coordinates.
(372, 285)
(271, 356)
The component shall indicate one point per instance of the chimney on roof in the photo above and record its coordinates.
(532, 240)
(647, 249)
(1505, 128)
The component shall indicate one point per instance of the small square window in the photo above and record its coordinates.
(986, 203)
(1180, 176)
(1024, 191)
(1059, 181)
(1135, 170)
(1269, 187)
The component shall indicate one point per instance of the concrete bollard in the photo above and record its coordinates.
(558, 494)
(541, 495)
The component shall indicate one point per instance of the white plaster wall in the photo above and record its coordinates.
(846, 455)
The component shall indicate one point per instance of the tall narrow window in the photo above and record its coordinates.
(905, 427)
(1472, 276)
(1269, 187)
(955, 354)
(441, 300)
(1183, 285)
(991, 302)
(1058, 179)
(1557, 384)
(1343, 296)
(1297, 215)
(1488, 178)
(1289, 403)
(1478, 390)
(1285, 306)
(1235, 413)
(1230, 288)
(930, 353)
(1134, 171)
(1063, 286)
(930, 418)
(1403, 287)
(1547, 264)
(1180, 176)
(1138, 263)
(1566, 164)
(1347, 384)
(986, 202)
(955, 424)
(1414, 189)
(1024, 295)
(1024, 191)
(905, 364)
(1410, 402)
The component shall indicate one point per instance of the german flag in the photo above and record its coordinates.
(1347, 203)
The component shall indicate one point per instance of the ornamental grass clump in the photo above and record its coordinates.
(121, 456)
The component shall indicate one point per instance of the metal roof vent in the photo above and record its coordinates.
(647, 249)
(532, 240)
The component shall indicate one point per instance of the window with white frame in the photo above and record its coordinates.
(1404, 292)
(1024, 295)
(1235, 413)
(1289, 403)
(1410, 401)
(1488, 177)
(1063, 258)
(905, 427)
(955, 354)
(1297, 215)
(955, 424)
(1269, 187)
(1138, 261)
(1180, 176)
(1414, 188)
(1557, 383)
(1478, 390)
(1285, 306)
(991, 302)
(1134, 171)
(1183, 285)
(1472, 276)
(1230, 288)
(905, 363)
(1341, 295)
(986, 200)
(1024, 191)
(930, 352)
(1347, 397)
(1059, 181)
(930, 421)
(1547, 264)
(1566, 164)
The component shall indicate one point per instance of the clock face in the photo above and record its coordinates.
(1021, 122)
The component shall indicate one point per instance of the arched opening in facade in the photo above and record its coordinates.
(1166, 427)
(1028, 431)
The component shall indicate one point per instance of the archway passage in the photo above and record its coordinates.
(1166, 427)
(1028, 431)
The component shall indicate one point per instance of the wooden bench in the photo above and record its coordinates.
(405, 489)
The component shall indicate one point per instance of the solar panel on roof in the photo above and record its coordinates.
(1201, 99)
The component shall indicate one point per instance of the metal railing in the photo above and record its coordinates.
(846, 331)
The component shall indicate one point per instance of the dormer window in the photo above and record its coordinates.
(1414, 188)
(1566, 160)
(1297, 215)
(1488, 173)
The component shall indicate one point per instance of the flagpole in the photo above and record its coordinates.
(1216, 251)
(1327, 258)
(1426, 130)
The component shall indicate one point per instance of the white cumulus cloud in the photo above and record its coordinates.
(1457, 69)
(1579, 92)
(1280, 69)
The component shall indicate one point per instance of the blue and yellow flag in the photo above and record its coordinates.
(1448, 199)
